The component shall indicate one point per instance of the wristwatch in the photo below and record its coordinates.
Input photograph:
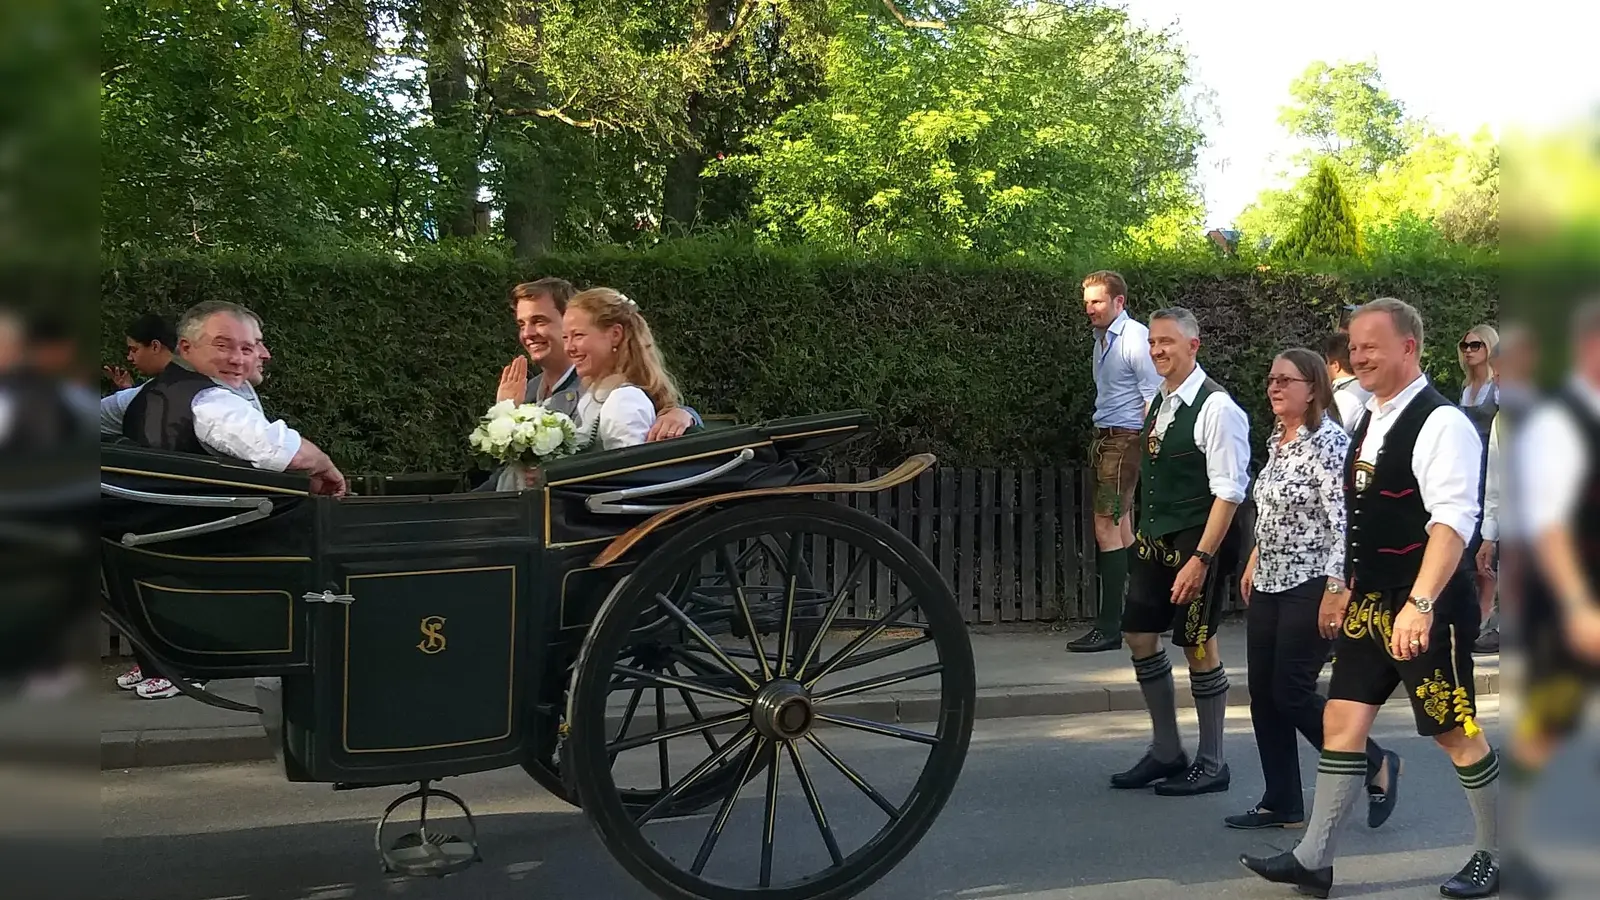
(1204, 557)
(1335, 587)
(1424, 605)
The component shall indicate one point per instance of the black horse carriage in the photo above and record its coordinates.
(645, 631)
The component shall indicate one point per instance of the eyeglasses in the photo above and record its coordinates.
(1277, 381)
(1469, 346)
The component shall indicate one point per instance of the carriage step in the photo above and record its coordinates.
(428, 852)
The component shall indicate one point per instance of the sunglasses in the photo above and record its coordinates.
(1469, 346)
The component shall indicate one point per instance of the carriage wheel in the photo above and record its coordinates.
(849, 813)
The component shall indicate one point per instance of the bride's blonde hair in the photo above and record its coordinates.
(639, 360)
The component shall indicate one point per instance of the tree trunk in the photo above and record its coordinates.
(456, 153)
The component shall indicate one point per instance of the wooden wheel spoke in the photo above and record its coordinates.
(709, 843)
(886, 730)
(769, 821)
(855, 778)
(880, 681)
(870, 657)
(815, 802)
(861, 639)
(786, 633)
(694, 710)
(833, 613)
(695, 774)
(700, 725)
(704, 639)
(627, 717)
(725, 558)
(662, 680)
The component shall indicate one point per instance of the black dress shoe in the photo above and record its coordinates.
(1285, 869)
(1480, 877)
(1148, 771)
(1380, 804)
(1265, 818)
(1096, 641)
(1193, 782)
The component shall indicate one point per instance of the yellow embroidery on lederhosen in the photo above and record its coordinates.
(1469, 725)
(1435, 695)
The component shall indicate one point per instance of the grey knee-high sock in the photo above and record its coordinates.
(1340, 777)
(1210, 691)
(1160, 698)
(1481, 779)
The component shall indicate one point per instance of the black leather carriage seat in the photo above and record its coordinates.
(777, 448)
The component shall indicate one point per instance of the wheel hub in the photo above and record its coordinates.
(782, 710)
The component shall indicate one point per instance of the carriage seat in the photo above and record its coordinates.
(736, 458)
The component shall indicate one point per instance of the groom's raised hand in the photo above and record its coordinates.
(513, 381)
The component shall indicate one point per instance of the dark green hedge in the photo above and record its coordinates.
(386, 363)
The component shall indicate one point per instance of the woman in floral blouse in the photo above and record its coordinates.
(1295, 573)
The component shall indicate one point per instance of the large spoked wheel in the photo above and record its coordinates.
(788, 652)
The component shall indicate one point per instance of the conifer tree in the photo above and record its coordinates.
(1327, 223)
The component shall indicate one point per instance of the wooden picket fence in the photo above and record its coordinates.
(1015, 545)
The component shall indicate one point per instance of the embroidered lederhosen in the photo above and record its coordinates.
(1387, 536)
(1175, 503)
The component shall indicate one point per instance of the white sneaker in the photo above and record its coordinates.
(156, 689)
(130, 679)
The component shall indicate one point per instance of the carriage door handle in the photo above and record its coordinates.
(607, 502)
(328, 597)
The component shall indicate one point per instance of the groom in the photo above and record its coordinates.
(538, 307)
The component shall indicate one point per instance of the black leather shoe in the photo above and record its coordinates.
(1285, 869)
(1148, 771)
(1265, 818)
(1096, 641)
(1193, 782)
(1380, 804)
(1480, 877)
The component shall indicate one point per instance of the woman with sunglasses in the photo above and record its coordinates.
(1480, 399)
(1293, 584)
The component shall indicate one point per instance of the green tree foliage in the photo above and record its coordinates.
(1326, 227)
(1347, 115)
(1031, 130)
(231, 124)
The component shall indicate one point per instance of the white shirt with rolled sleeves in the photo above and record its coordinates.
(114, 407)
(226, 422)
(1221, 431)
(1445, 459)
(1125, 378)
(1552, 463)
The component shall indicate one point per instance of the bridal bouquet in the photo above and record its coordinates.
(520, 436)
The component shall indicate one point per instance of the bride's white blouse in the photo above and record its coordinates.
(625, 412)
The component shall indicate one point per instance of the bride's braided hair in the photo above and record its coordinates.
(639, 360)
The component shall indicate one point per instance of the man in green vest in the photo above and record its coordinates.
(1194, 474)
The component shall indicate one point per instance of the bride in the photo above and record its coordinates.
(624, 378)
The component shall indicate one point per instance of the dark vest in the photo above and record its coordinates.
(160, 416)
(1175, 488)
(1388, 523)
(1586, 530)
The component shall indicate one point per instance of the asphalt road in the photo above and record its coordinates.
(1031, 819)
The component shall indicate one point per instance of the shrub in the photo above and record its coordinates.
(387, 363)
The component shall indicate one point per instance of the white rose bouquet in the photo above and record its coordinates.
(520, 436)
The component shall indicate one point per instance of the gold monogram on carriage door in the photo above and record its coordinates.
(433, 640)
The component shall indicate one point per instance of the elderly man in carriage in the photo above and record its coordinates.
(406, 639)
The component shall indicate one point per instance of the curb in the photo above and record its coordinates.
(248, 743)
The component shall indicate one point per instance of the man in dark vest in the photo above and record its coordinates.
(1411, 488)
(186, 409)
(1556, 461)
(1194, 474)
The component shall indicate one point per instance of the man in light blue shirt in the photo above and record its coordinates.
(1125, 380)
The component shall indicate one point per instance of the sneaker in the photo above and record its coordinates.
(161, 688)
(130, 679)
